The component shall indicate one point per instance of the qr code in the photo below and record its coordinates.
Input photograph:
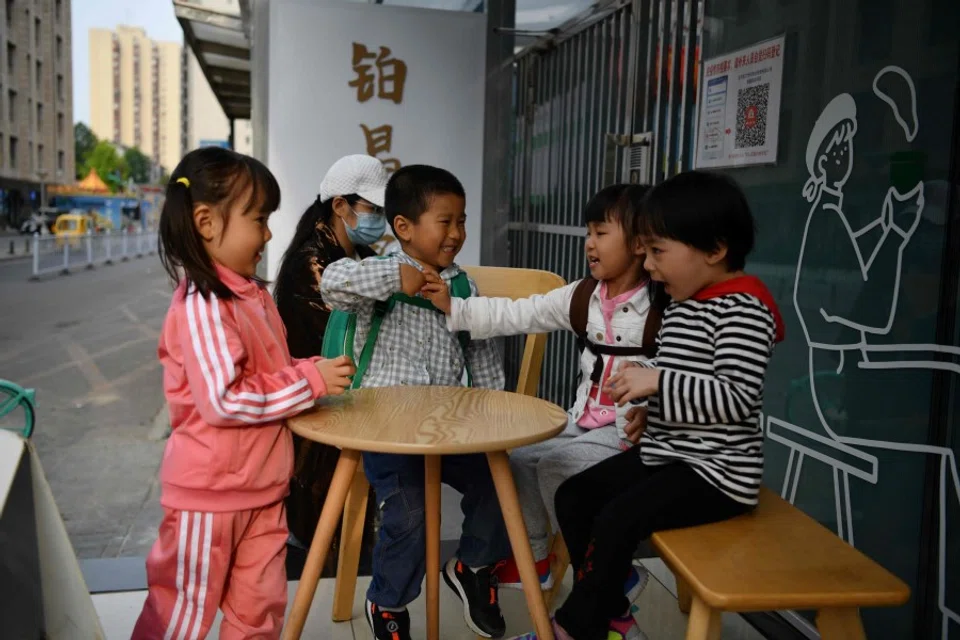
(752, 116)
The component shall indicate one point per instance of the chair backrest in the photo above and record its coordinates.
(507, 282)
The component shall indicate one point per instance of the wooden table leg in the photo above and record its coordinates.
(327, 525)
(432, 473)
(840, 624)
(351, 544)
(520, 542)
(561, 560)
(704, 622)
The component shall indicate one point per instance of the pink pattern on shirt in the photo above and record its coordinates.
(600, 409)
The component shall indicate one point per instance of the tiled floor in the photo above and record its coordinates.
(656, 613)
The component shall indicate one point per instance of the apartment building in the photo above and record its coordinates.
(36, 103)
(135, 92)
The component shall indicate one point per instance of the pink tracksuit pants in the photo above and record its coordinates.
(201, 562)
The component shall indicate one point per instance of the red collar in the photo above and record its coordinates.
(750, 285)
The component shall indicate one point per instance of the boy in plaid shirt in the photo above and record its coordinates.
(425, 206)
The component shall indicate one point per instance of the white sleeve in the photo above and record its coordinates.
(490, 317)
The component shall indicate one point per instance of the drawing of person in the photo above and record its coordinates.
(848, 282)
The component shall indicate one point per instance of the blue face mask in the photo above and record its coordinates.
(370, 228)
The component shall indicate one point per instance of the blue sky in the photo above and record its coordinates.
(156, 16)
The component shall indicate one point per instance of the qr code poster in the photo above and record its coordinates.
(739, 113)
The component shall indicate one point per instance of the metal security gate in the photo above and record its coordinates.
(608, 98)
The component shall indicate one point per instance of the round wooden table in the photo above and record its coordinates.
(432, 422)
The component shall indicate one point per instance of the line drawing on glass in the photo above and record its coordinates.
(829, 159)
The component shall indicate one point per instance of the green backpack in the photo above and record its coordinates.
(342, 326)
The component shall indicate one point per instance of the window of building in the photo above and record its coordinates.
(12, 105)
(59, 48)
(13, 152)
(60, 124)
(61, 160)
(33, 160)
(58, 9)
(9, 23)
(36, 32)
(11, 58)
(39, 157)
(39, 73)
(39, 117)
(60, 87)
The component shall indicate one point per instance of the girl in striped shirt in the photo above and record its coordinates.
(700, 458)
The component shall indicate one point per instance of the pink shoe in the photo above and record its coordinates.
(625, 628)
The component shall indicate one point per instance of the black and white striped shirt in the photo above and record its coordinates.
(713, 356)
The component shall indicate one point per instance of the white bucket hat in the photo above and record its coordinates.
(361, 175)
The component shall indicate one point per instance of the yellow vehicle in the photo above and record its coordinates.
(71, 227)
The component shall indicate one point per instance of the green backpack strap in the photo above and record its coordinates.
(459, 288)
(380, 309)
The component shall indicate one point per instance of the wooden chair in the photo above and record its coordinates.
(494, 282)
(776, 558)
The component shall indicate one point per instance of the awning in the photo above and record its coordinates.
(223, 50)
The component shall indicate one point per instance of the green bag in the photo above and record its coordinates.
(342, 327)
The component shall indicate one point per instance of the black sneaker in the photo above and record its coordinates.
(478, 592)
(388, 625)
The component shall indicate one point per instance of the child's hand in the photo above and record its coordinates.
(335, 373)
(631, 383)
(411, 279)
(636, 423)
(437, 291)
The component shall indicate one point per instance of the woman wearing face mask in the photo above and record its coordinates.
(346, 218)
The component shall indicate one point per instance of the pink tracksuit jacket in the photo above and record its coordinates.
(229, 382)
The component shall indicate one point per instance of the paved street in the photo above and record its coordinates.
(87, 343)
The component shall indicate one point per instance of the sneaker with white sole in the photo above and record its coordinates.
(508, 575)
(478, 593)
(388, 625)
(636, 582)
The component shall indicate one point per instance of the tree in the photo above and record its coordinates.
(138, 165)
(108, 164)
(84, 142)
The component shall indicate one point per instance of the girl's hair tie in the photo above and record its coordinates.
(184, 182)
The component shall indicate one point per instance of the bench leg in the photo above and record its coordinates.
(704, 623)
(840, 624)
(561, 560)
(684, 597)
(351, 543)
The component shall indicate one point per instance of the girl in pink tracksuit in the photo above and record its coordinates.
(229, 382)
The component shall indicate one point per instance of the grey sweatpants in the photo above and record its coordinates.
(539, 469)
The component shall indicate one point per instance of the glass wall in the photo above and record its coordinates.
(863, 399)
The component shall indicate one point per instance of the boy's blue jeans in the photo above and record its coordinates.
(399, 556)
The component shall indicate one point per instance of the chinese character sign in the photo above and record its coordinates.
(384, 76)
(390, 78)
(380, 140)
(403, 85)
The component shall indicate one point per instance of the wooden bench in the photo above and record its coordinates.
(776, 558)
